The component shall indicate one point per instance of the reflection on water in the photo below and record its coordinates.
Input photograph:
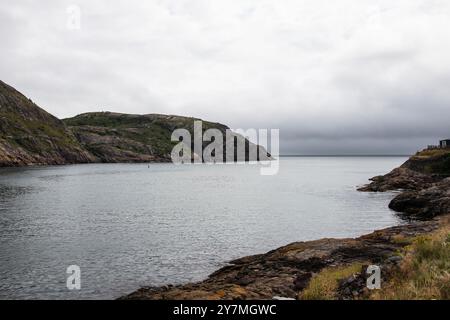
(130, 225)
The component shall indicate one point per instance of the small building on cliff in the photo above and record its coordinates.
(444, 143)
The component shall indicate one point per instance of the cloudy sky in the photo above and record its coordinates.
(336, 77)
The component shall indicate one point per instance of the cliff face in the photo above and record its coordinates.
(31, 136)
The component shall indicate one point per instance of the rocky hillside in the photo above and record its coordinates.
(31, 136)
(117, 137)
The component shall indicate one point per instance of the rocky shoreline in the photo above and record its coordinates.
(286, 272)
(425, 184)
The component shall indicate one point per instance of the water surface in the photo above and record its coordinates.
(132, 225)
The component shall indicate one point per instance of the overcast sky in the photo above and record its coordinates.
(336, 77)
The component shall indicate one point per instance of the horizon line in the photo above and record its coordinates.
(344, 155)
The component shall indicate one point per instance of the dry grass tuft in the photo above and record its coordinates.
(432, 153)
(324, 285)
(424, 272)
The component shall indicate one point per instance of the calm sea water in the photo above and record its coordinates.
(130, 225)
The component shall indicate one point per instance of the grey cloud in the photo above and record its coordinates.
(351, 76)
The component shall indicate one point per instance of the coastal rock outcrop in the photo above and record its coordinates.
(401, 178)
(424, 182)
(419, 172)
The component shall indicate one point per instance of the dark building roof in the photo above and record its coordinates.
(444, 143)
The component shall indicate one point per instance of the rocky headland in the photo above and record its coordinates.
(336, 268)
(424, 182)
(31, 136)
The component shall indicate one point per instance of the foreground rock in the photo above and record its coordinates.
(286, 271)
